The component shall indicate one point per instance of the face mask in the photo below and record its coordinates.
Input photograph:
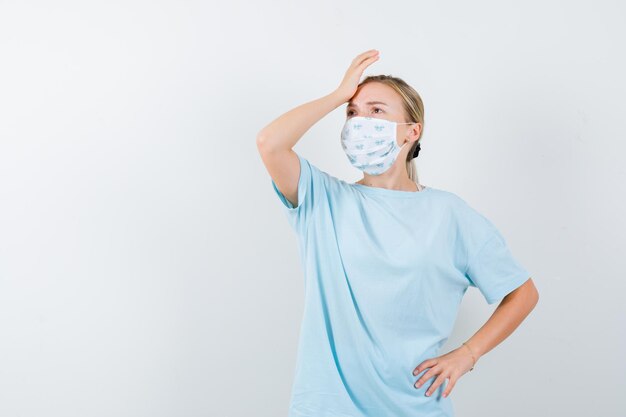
(370, 143)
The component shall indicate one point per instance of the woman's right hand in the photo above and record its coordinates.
(351, 79)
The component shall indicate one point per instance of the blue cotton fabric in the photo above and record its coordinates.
(384, 274)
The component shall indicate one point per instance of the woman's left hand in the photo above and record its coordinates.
(452, 365)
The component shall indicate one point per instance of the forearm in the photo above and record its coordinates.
(285, 131)
(505, 319)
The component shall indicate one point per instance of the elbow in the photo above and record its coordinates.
(266, 145)
(260, 139)
(261, 143)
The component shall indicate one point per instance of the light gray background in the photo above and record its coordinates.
(146, 267)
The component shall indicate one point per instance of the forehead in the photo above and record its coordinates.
(375, 94)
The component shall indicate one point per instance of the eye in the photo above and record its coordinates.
(349, 112)
(378, 108)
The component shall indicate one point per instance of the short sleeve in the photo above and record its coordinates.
(311, 189)
(490, 266)
(494, 269)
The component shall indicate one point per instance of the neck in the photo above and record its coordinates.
(404, 184)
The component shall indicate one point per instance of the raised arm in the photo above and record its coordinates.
(275, 141)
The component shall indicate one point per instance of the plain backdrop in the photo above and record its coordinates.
(146, 266)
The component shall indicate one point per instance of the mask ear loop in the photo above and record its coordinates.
(416, 152)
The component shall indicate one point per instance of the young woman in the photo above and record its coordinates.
(386, 260)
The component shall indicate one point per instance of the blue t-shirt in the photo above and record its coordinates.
(384, 274)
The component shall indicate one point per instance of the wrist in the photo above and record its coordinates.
(476, 348)
(471, 352)
(340, 97)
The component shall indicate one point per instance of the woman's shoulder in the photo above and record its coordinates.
(464, 212)
(456, 205)
(447, 197)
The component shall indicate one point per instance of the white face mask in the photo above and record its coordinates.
(370, 143)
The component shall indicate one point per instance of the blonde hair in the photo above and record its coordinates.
(413, 109)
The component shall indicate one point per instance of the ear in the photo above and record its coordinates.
(418, 128)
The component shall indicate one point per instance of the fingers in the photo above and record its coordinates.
(451, 383)
(370, 55)
(367, 62)
(434, 370)
(426, 364)
(439, 369)
(438, 381)
(365, 54)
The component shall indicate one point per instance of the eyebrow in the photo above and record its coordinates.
(369, 103)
